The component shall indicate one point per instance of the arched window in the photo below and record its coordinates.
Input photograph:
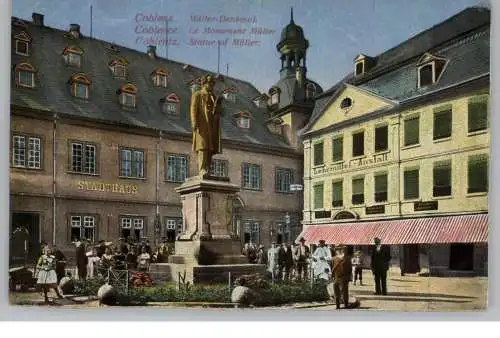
(72, 55)
(274, 95)
(346, 103)
(25, 75)
(159, 77)
(119, 68)
(80, 86)
(127, 95)
(171, 104)
(310, 90)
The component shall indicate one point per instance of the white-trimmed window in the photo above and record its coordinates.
(72, 56)
(219, 168)
(160, 78)
(131, 163)
(132, 227)
(174, 227)
(360, 67)
(275, 98)
(83, 227)
(171, 104)
(23, 42)
(119, 68)
(127, 99)
(80, 86)
(26, 152)
(25, 75)
(251, 232)
(170, 108)
(310, 90)
(176, 168)
(284, 178)
(230, 96)
(429, 69)
(251, 176)
(83, 158)
(244, 122)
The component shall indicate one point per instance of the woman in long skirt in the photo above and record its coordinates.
(47, 277)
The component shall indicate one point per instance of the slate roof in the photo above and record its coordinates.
(463, 40)
(289, 91)
(53, 91)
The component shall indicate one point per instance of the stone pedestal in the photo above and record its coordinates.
(208, 250)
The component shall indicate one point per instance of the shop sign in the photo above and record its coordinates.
(425, 206)
(131, 189)
(353, 164)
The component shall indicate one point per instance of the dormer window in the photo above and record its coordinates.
(72, 56)
(119, 68)
(171, 104)
(310, 90)
(429, 69)
(274, 94)
(23, 41)
(159, 77)
(230, 94)
(260, 101)
(243, 120)
(360, 67)
(127, 95)
(80, 85)
(25, 75)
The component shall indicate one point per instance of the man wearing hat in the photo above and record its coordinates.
(301, 254)
(321, 258)
(381, 257)
(342, 270)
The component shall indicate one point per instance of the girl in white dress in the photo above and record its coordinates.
(47, 277)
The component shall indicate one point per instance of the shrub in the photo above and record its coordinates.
(88, 287)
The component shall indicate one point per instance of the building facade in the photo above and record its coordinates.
(400, 150)
(100, 139)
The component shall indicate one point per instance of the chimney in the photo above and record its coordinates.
(37, 19)
(152, 52)
(74, 29)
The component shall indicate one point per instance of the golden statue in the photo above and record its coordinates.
(205, 121)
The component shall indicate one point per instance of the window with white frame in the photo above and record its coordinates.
(72, 59)
(26, 76)
(251, 232)
(81, 90)
(83, 158)
(170, 108)
(230, 96)
(131, 163)
(161, 80)
(83, 227)
(119, 71)
(26, 152)
(284, 178)
(174, 227)
(176, 168)
(244, 122)
(127, 99)
(22, 47)
(219, 168)
(251, 176)
(132, 227)
(275, 98)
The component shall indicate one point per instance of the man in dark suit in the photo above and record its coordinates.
(342, 270)
(285, 260)
(381, 257)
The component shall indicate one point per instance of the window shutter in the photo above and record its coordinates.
(381, 183)
(411, 184)
(358, 186)
(478, 113)
(442, 123)
(412, 131)
(478, 173)
(318, 196)
(338, 147)
(337, 193)
(318, 153)
(381, 138)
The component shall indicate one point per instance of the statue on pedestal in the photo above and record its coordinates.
(205, 121)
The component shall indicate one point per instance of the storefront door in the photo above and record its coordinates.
(461, 257)
(411, 259)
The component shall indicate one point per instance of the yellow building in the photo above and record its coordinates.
(399, 150)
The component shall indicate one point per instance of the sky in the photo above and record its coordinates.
(337, 30)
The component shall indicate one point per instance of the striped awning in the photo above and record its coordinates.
(423, 230)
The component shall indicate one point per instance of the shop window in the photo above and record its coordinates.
(26, 152)
(358, 191)
(337, 194)
(83, 227)
(411, 184)
(318, 196)
(442, 179)
(132, 228)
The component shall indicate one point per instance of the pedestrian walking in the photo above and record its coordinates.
(357, 265)
(381, 257)
(342, 270)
